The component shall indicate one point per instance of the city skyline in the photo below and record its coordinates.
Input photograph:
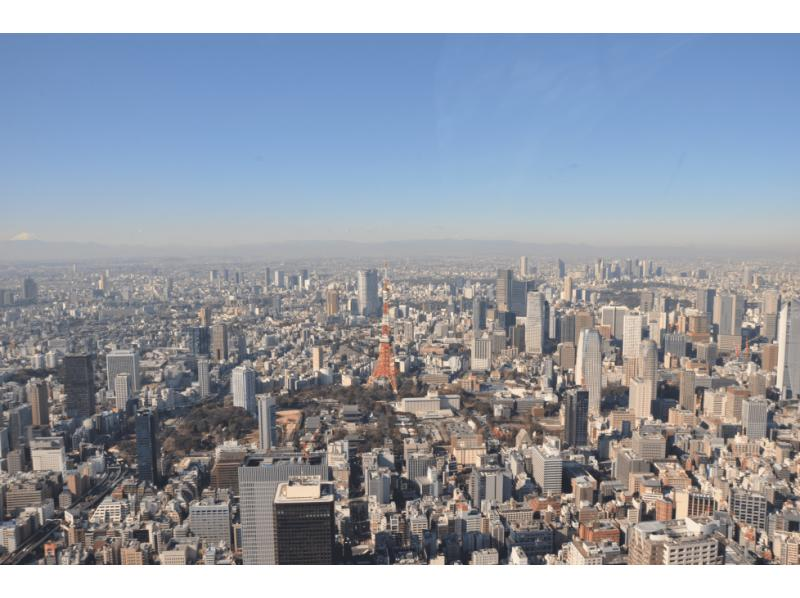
(163, 140)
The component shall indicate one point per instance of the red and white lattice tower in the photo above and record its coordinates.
(385, 368)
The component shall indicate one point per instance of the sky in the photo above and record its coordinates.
(221, 140)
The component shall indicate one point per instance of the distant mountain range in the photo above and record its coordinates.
(44, 251)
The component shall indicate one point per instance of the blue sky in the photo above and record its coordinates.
(228, 139)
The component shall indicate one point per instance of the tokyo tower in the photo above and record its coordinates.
(385, 368)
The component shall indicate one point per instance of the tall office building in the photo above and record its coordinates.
(267, 432)
(632, 336)
(584, 320)
(259, 479)
(147, 449)
(199, 340)
(331, 301)
(755, 411)
(535, 324)
(79, 386)
(478, 314)
(504, 289)
(589, 367)
(728, 315)
(203, 378)
(675, 344)
(576, 416)
(704, 300)
(481, 354)
(122, 391)
(644, 387)
(566, 291)
(123, 362)
(305, 525)
(687, 385)
(789, 349)
(523, 267)
(562, 268)
(219, 342)
(30, 290)
(368, 300)
(204, 314)
(267, 279)
(317, 358)
(37, 393)
(243, 386)
(547, 465)
(613, 316)
(770, 308)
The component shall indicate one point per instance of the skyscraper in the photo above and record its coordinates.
(613, 316)
(566, 292)
(504, 289)
(37, 394)
(688, 383)
(523, 267)
(368, 300)
(317, 358)
(631, 336)
(331, 302)
(305, 526)
(219, 342)
(704, 300)
(123, 362)
(755, 411)
(79, 385)
(199, 338)
(478, 314)
(576, 416)
(588, 367)
(203, 378)
(267, 433)
(259, 479)
(789, 349)
(30, 290)
(535, 323)
(562, 268)
(728, 315)
(243, 385)
(644, 386)
(122, 391)
(147, 449)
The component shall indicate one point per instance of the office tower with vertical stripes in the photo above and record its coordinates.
(589, 367)
(535, 324)
(789, 350)
(243, 386)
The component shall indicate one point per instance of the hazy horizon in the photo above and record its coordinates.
(215, 140)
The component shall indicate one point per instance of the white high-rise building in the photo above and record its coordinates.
(266, 422)
(123, 362)
(48, 454)
(589, 367)
(643, 393)
(754, 417)
(631, 336)
(368, 300)
(534, 323)
(122, 391)
(789, 349)
(243, 384)
(203, 378)
(547, 466)
(481, 358)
